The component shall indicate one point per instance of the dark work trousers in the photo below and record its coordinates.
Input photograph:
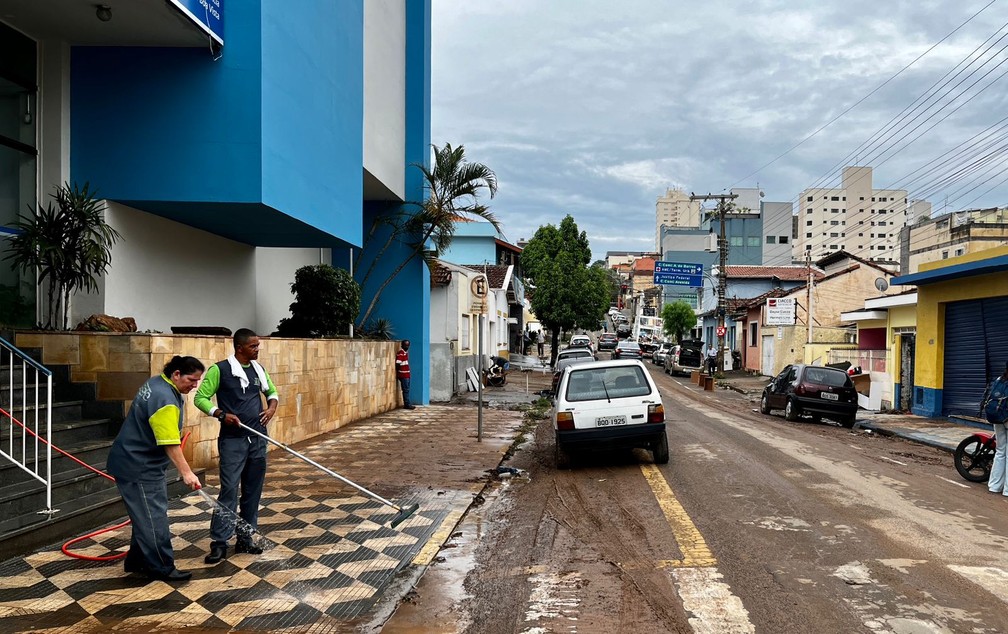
(146, 503)
(242, 465)
(404, 384)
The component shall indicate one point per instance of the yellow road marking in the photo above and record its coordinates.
(691, 542)
(440, 536)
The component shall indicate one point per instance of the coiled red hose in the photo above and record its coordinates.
(66, 547)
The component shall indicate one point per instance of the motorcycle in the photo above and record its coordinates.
(974, 456)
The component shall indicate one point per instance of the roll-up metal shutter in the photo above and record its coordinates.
(965, 358)
(976, 350)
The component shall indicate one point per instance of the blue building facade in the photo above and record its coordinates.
(228, 156)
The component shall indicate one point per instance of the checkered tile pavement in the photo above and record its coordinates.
(329, 551)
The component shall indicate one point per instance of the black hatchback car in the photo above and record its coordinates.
(814, 390)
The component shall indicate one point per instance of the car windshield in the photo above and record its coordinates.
(825, 376)
(589, 383)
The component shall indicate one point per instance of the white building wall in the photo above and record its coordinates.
(385, 93)
(274, 273)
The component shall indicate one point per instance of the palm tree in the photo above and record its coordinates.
(453, 187)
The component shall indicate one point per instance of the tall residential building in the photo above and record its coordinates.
(675, 209)
(855, 217)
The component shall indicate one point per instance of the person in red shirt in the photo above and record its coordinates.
(403, 373)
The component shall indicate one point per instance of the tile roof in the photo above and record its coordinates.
(496, 273)
(790, 273)
(440, 274)
(643, 265)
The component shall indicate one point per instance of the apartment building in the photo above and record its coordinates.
(675, 209)
(952, 235)
(855, 217)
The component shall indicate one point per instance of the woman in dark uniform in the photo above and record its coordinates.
(150, 440)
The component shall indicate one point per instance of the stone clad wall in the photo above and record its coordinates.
(323, 383)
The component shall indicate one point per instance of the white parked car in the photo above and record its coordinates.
(608, 405)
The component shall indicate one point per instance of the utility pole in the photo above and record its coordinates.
(722, 330)
(808, 294)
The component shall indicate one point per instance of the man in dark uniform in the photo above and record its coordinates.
(239, 383)
(147, 443)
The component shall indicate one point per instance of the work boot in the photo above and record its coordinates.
(248, 548)
(217, 553)
(174, 575)
(409, 406)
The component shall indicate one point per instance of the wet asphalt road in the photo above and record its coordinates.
(756, 524)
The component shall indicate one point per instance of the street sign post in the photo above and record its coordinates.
(678, 274)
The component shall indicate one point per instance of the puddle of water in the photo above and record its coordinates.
(439, 596)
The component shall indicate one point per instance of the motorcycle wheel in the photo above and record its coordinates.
(973, 459)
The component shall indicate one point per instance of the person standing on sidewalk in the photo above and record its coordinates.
(994, 408)
(239, 383)
(150, 439)
(403, 373)
(540, 341)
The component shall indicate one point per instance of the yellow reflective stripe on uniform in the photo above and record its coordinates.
(165, 423)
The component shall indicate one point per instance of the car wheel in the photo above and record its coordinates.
(563, 460)
(791, 410)
(764, 404)
(848, 421)
(816, 418)
(660, 450)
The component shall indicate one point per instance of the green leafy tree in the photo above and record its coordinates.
(567, 292)
(612, 280)
(326, 301)
(68, 243)
(453, 186)
(677, 318)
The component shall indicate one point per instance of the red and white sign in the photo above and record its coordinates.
(721, 331)
(780, 311)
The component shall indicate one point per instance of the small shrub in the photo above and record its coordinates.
(326, 302)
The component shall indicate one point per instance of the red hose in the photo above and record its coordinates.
(66, 547)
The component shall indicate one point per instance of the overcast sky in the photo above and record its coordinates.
(593, 107)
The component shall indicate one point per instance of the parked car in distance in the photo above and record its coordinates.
(659, 354)
(684, 357)
(605, 406)
(815, 390)
(607, 341)
(580, 341)
(627, 350)
(566, 357)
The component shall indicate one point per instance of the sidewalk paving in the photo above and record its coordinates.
(942, 433)
(332, 563)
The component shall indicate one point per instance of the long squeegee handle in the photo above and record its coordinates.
(370, 494)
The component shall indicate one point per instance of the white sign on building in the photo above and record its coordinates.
(780, 311)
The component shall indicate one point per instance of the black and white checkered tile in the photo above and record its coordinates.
(329, 561)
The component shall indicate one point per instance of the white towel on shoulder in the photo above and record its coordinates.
(238, 372)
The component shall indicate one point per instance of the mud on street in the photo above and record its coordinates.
(756, 525)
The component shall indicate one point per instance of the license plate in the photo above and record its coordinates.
(607, 421)
(829, 396)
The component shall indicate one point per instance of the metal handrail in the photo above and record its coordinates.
(29, 458)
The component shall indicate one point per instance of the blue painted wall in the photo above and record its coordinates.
(276, 120)
(405, 301)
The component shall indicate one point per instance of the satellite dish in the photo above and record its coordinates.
(881, 284)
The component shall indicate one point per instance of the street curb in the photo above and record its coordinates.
(882, 431)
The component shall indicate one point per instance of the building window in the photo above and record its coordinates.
(808, 235)
(944, 255)
(809, 199)
(464, 333)
(808, 223)
(752, 334)
(834, 235)
(753, 241)
(960, 251)
(834, 247)
(860, 235)
(835, 222)
(735, 241)
(782, 239)
(808, 247)
(834, 198)
(771, 239)
(862, 198)
(808, 210)
(834, 210)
